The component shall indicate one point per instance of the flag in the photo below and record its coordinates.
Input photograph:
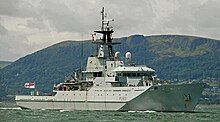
(93, 36)
(30, 85)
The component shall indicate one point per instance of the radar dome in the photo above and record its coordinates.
(117, 54)
(128, 55)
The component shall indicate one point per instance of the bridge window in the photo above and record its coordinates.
(146, 84)
(97, 74)
(116, 79)
(118, 74)
(132, 74)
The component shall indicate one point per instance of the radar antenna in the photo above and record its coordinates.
(106, 40)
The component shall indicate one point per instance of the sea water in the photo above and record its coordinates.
(9, 112)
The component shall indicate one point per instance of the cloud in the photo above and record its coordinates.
(50, 37)
(70, 16)
(30, 25)
(9, 7)
(11, 47)
(194, 18)
(3, 30)
(208, 15)
(16, 24)
(18, 8)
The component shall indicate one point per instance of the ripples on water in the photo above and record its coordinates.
(10, 112)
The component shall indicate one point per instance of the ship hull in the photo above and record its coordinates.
(183, 97)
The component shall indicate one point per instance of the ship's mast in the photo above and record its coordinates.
(103, 18)
(105, 49)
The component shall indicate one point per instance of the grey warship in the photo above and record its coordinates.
(110, 83)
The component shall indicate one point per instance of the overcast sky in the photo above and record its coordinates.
(30, 25)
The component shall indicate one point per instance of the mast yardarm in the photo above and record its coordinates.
(106, 40)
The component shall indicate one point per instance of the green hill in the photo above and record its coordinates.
(185, 57)
(172, 56)
(4, 64)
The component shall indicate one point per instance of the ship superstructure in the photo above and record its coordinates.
(110, 83)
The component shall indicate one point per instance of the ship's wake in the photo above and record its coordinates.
(15, 108)
(147, 111)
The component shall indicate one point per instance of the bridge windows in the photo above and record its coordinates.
(116, 79)
(119, 74)
(97, 74)
(133, 74)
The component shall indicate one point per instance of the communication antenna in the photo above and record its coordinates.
(103, 18)
(105, 48)
(81, 51)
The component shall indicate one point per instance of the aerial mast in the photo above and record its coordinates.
(103, 17)
(105, 49)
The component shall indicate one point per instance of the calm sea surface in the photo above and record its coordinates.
(203, 113)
